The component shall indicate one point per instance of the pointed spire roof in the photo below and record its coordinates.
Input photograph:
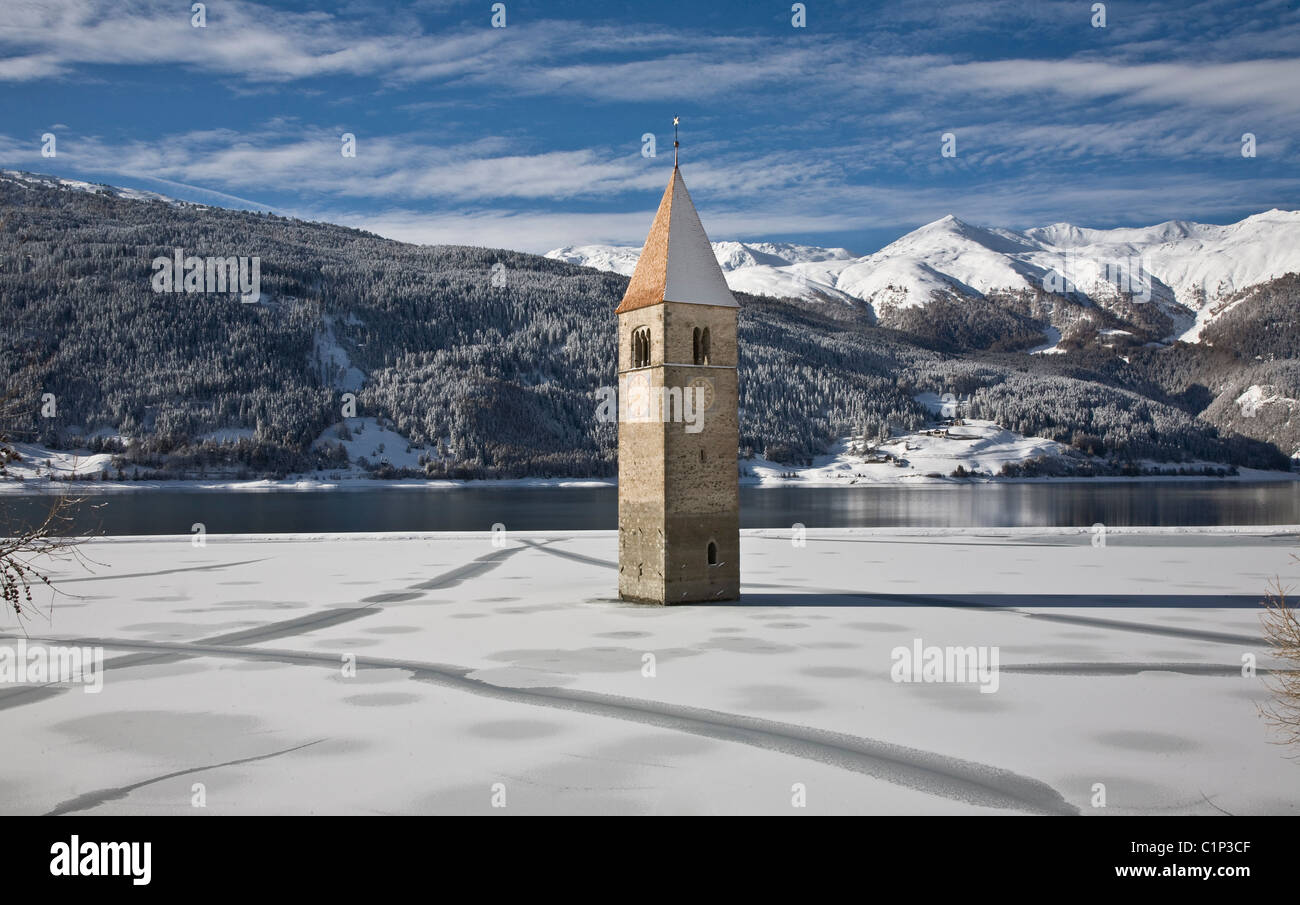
(677, 263)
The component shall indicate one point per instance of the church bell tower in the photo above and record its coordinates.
(678, 488)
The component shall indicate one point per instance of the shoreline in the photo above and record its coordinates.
(348, 485)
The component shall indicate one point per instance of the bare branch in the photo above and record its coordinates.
(1282, 629)
(23, 545)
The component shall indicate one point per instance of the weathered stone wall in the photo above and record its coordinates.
(678, 489)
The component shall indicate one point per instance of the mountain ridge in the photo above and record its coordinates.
(488, 363)
(1183, 267)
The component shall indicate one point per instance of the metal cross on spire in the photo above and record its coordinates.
(676, 143)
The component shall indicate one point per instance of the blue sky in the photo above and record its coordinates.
(530, 136)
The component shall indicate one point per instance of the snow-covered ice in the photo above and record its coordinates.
(510, 663)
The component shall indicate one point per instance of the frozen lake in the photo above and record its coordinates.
(498, 675)
(1161, 503)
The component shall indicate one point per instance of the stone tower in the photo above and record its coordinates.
(678, 492)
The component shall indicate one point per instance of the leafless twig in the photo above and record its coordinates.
(1282, 629)
(22, 546)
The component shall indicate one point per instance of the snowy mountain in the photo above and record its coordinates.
(1202, 264)
(482, 380)
(614, 258)
(776, 269)
(93, 188)
(1185, 270)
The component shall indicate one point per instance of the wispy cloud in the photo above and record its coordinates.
(527, 136)
(1266, 86)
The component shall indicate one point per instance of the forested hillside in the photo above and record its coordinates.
(489, 360)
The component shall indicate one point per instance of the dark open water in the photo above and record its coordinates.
(477, 508)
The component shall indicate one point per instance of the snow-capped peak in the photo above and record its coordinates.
(1185, 266)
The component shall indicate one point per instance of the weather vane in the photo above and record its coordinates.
(676, 144)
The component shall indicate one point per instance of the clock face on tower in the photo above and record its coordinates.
(703, 388)
(636, 397)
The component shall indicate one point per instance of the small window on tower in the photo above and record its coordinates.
(713, 553)
(703, 355)
(695, 346)
(641, 347)
(701, 455)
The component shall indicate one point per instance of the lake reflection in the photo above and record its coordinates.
(478, 507)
